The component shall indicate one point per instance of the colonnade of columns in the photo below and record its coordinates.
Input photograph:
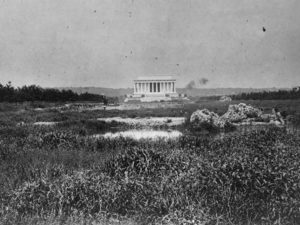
(154, 87)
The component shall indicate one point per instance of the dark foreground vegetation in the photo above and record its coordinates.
(250, 178)
(8, 93)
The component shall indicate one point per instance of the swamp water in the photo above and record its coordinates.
(142, 134)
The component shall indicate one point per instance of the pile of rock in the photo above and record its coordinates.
(276, 117)
(225, 99)
(204, 116)
(206, 119)
(239, 114)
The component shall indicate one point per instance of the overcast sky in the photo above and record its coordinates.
(108, 43)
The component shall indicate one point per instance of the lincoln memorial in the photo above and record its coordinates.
(154, 88)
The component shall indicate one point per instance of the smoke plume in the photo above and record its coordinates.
(190, 85)
(193, 84)
(203, 81)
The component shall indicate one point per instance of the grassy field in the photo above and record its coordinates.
(12, 113)
(61, 175)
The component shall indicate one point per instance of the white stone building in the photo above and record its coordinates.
(154, 88)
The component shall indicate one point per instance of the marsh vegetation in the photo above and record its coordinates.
(62, 174)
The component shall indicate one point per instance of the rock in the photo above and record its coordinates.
(208, 120)
(204, 115)
(224, 124)
(20, 124)
(267, 118)
(275, 122)
(225, 99)
(240, 113)
(277, 116)
(243, 114)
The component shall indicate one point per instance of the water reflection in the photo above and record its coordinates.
(142, 134)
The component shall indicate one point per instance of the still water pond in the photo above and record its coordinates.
(142, 134)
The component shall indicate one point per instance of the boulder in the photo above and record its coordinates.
(224, 124)
(20, 124)
(267, 118)
(278, 117)
(276, 122)
(275, 118)
(241, 112)
(225, 99)
(208, 120)
(203, 115)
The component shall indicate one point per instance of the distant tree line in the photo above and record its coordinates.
(8, 93)
(264, 95)
(269, 95)
(207, 98)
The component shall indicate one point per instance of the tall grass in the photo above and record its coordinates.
(61, 175)
(250, 178)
